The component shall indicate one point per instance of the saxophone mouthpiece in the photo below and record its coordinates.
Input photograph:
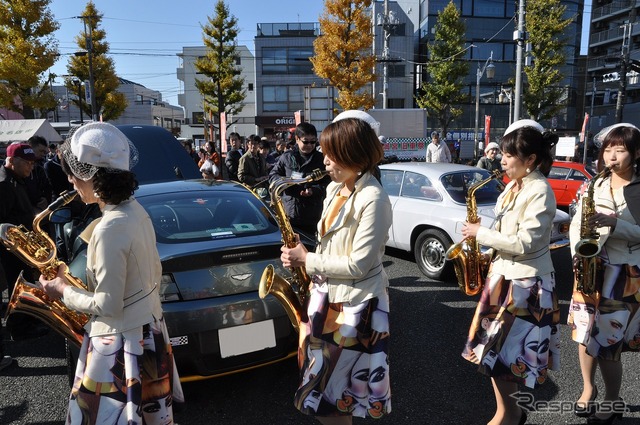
(64, 198)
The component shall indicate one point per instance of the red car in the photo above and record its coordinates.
(565, 179)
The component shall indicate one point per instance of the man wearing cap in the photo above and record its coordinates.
(436, 151)
(490, 161)
(15, 208)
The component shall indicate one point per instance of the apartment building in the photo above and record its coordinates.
(614, 50)
(490, 27)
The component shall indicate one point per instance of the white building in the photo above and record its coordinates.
(145, 107)
(192, 102)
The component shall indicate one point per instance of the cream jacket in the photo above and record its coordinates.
(123, 272)
(523, 230)
(350, 254)
(623, 243)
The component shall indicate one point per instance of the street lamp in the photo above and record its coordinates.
(491, 72)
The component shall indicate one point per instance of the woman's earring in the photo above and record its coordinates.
(359, 173)
(96, 195)
(528, 170)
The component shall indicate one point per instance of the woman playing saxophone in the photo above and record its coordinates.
(343, 353)
(601, 320)
(513, 337)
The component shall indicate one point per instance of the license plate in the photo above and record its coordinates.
(246, 339)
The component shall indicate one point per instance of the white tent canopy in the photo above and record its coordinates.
(21, 130)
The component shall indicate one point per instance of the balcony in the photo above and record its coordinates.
(617, 7)
(298, 29)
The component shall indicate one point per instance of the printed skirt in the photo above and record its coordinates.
(607, 322)
(514, 333)
(343, 357)
(126, 378)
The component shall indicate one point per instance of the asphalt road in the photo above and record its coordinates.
(431, 383)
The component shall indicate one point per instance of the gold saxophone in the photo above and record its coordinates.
(292, 294)
(468, 263)
(36, 249)
(588, 248)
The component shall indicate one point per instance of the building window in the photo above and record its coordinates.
(197, 118)
(250, 87)
(398, 30)
(395, 103)
(282, 98)
(293, 60)
(397, 71)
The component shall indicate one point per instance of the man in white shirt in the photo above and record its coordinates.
(436, 151)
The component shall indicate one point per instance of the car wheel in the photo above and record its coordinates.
(72, 353)
(429, 250)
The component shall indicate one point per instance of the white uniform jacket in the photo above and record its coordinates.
(350, 253)
(623, 243)
(523, 230)
(123, 272)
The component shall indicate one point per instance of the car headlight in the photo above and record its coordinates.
(168, 289)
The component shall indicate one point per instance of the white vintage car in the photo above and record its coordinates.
(429, 207)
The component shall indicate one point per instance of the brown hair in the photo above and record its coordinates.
(626, 136)
(352, 143)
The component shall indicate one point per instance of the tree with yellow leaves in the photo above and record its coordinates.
(343, 53)
(27, 50)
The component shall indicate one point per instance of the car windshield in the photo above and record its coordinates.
(457, 185)
(198, 216)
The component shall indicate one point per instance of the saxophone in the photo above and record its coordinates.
(471, 269)
(588, 248)
(293, 294)
(36, 249)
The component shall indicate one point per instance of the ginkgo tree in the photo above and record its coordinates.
(442, 94)
(343, 51)
(543, 97)
(27, 50)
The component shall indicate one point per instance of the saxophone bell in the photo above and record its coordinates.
(292, 293)
(587, 248)
(35, 248)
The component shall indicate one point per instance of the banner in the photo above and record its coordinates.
(584, 127)
(298, 116)
(223, 132)
(487, 129)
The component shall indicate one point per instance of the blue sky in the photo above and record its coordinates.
(145, 35)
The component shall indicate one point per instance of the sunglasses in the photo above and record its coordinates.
(309, 142)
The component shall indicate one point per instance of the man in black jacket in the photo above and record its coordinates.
(302, 203)
(232, 160)
(16, 209)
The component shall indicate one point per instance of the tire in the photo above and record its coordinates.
(72, 353)
(429, 251)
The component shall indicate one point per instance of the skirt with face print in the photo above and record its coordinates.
(514, 333)
(126, 378)
(343, 357)
(607, 322)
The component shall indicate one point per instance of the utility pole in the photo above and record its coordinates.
(520, 37)
(389, 22)
(624, 60)
(588, 130)
(89, 45)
